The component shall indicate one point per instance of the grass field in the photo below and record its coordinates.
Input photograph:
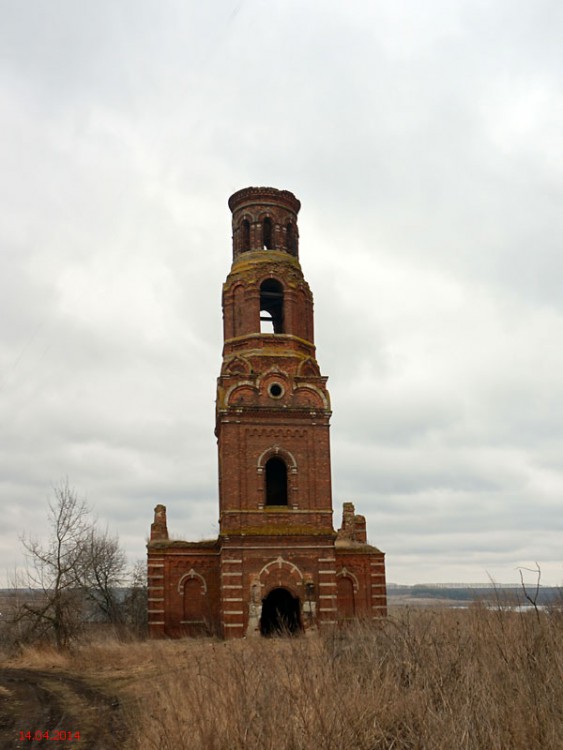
(428, 680)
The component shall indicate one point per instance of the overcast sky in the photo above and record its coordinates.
(425, 142)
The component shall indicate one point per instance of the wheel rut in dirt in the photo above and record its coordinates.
(56, 702)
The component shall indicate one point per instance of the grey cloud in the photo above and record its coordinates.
(423, 144)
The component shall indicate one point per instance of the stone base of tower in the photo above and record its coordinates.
(251, 585)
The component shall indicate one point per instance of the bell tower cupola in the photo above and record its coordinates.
(264, 219)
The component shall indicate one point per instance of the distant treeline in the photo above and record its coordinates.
(506, 595)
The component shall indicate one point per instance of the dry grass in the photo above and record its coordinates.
(451, 680)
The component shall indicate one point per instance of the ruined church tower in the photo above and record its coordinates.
(278, 564)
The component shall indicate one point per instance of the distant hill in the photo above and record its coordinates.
(463, 593)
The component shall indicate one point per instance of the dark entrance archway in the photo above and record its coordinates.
(280, 613)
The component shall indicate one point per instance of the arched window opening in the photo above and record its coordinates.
(271, 306)
(290, 239)
(276, 482)
(245, 238)
(267, 234)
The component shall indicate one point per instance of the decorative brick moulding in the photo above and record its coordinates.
(277, 565)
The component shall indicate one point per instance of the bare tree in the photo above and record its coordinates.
(135, 604)
(56, 569)
(104, 572)
(76, 565)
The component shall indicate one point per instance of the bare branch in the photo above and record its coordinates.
(532, 598)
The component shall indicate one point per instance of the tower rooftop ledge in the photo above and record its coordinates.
(264, 195)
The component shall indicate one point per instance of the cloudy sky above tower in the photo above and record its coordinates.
(425, 142)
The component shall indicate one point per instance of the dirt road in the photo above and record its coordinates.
(53, 705)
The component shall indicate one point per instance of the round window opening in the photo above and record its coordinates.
(275, 390)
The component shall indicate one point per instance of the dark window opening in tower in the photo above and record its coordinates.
(271, 306)
(276, 482)
(245, 239)
(289, 240)
(267, 234)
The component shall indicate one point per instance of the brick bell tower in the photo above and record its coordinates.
(278, 564)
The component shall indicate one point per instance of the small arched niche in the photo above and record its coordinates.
(346, 600)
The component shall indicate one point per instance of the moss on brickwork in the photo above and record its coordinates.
(271, 530)
(166, 543)
(276, 259)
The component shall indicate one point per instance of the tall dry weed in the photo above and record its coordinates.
(475, 680)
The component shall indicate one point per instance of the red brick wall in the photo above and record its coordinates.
(171, 567)
(366, 568)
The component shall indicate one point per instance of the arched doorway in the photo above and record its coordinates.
(280, 613)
